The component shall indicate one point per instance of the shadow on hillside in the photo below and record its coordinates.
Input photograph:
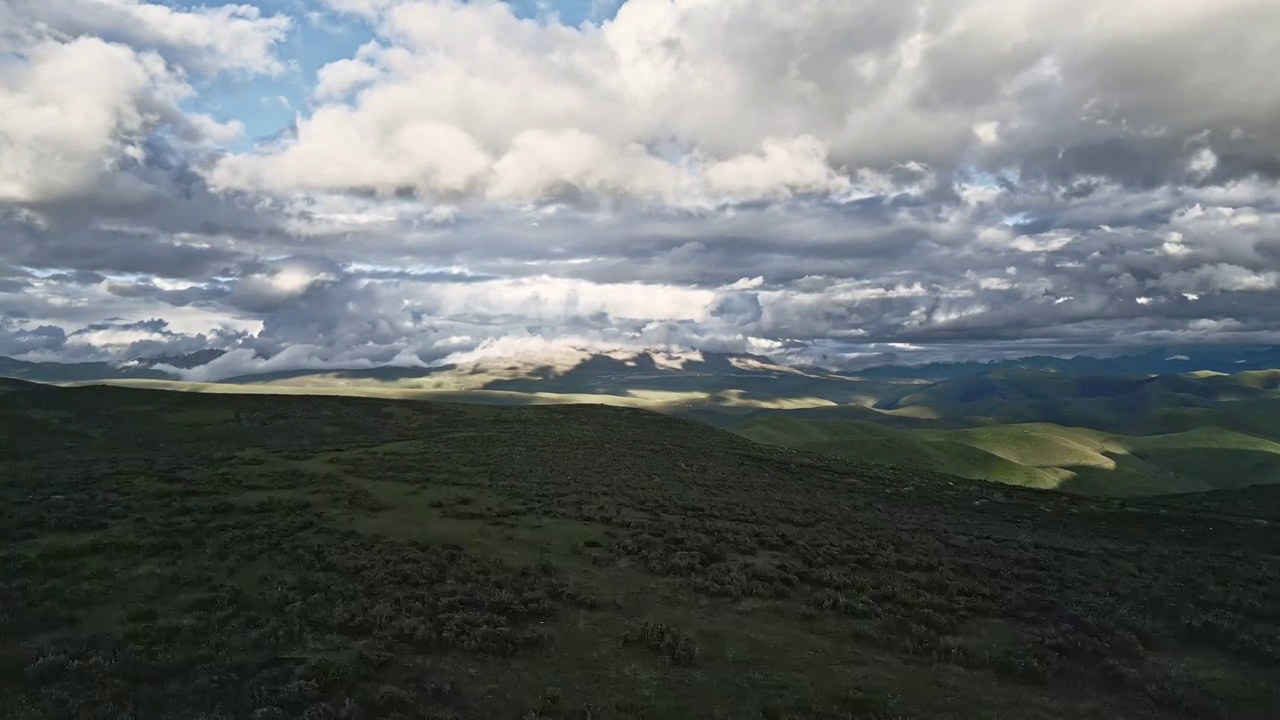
(382, 374)
(605, 376)
(1261, 502)
(1222, 468)
(1174, 471)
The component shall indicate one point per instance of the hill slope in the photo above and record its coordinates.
(1042, 422)
(1040, 455)
(177, 554)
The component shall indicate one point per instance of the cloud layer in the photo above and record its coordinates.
(813, 179)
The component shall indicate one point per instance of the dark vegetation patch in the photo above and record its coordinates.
(420, 560)
(674, 647)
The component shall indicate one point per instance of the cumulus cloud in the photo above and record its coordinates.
(88, 87)
(239, 38)
(74, 112)
(675, 100)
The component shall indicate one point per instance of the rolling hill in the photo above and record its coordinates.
(1108, 435)
(173, 554)
(1045, 423)
(1041, 455)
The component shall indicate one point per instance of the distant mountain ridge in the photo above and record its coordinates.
(188, 361)
(531, 367)
(135, 369)
(1160, 361)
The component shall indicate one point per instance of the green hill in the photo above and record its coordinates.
(1219, 458)
(1038, 425)
(1047, 428)
(171, 554)
(1041, 455)
(870, 442)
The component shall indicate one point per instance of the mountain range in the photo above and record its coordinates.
(1158, 361)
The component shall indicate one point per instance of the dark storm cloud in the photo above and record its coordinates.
(37, 340)
(195, 294)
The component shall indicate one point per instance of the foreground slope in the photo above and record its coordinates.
(174, 554)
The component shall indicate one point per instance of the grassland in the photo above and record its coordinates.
(646, 398)
(264, 556)
(1112, 435)
(1098, 435)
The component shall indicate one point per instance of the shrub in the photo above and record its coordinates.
(680, 650)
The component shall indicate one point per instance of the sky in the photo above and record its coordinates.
(346, 183)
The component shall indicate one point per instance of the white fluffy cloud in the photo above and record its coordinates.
(74, 111)
(85, 84)
(205, 39)
(685, 101)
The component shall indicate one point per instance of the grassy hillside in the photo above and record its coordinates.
(871, 442)
(1047, 428)
(266, 556)
(1037, 426)
(1040, 455)
(1220, 458)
